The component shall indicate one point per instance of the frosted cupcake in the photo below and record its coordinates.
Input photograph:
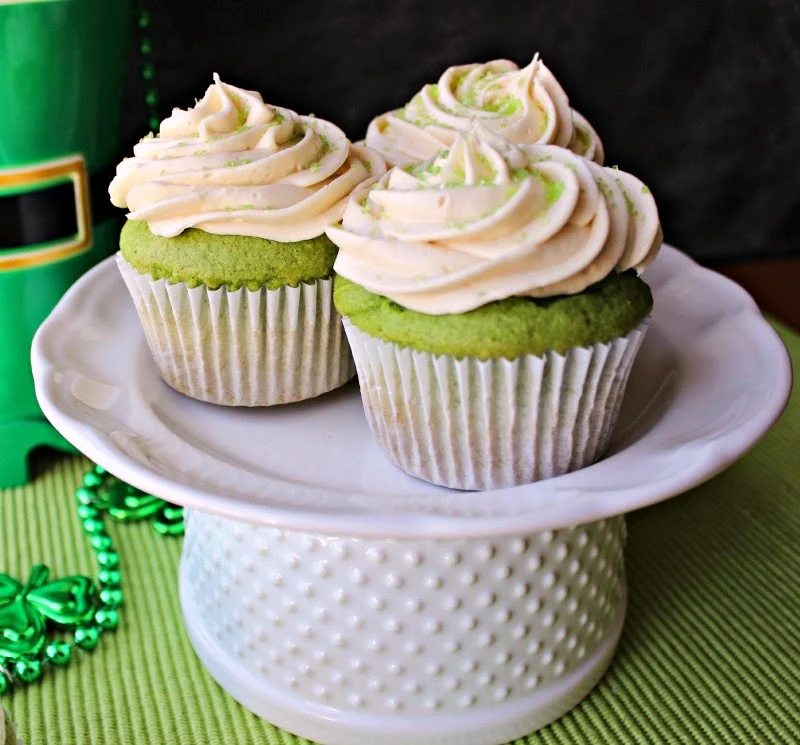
(492, 302)
(224, 250)
(526, 106)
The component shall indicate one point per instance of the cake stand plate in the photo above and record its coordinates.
(348, 602)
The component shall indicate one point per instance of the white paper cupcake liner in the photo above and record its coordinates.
(472, 424)
(243, 347)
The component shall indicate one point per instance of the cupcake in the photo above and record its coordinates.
(492, 302)
(224, 251)
(526, 106)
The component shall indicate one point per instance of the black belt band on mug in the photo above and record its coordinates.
(39, 216)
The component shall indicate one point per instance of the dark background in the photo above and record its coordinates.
(701, 100)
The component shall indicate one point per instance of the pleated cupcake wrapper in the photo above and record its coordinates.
(242, 347)
(472, 424)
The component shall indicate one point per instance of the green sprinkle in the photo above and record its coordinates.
(200, 152)
(607, 192)
(182, 144)
(511, 190)
(148, 136)
(540, 158)
(230, 164)
(584, 140)
(645, 189)
(632, 211)
(553, 191)
(520, 174)
(314, 167)
(246, 207)
(367, 166)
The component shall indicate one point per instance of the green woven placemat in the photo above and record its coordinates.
(710, 652)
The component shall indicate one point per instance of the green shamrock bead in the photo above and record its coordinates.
(108, 559)
(92, 479)
(111, 596)
(107, 618)
(88, 512)
(100, 542)
(28, 670)
(109, 577)
(94, 526)
(4, 684)
(58, 653)
(87, 637)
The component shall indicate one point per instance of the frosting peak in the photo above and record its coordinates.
(487, 219)
(238, 166)
(525, 106)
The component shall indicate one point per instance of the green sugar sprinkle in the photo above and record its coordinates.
(367, 166)
(314, 166)
(148, 136)
(540, 158)
(520, 174)
(553, 191)
(511, 190)
(200, 152)
(607, 192)
(182, 144)
(645, 189)
(507, 106)
(632, 211)
(246, 207)
(584, 140)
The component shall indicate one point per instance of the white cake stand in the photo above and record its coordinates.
(349, 603)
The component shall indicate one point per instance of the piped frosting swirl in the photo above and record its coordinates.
(235, 165)
(524, 106)
(487, 220)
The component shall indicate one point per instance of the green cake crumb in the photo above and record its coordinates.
(232, 261)
(506, 328)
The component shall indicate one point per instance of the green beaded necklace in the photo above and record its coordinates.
(74, 604)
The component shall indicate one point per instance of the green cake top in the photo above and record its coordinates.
(506, 328)
(233, 261)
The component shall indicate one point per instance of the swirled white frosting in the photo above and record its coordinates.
(237, 166)
(487, 220)
(525, 106)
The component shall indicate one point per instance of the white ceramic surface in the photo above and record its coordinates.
(351, 603)
(710, 379)
(352, 641)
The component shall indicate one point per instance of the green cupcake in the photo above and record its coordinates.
(224, 251)
(492, 302)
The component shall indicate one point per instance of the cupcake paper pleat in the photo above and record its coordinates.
(242, 347)
(473, 424)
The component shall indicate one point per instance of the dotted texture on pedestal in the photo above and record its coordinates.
(406, 627)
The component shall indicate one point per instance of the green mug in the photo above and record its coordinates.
(62, 67)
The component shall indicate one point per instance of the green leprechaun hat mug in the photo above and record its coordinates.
(62, 66)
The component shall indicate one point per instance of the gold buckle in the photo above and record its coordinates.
(72, 167)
